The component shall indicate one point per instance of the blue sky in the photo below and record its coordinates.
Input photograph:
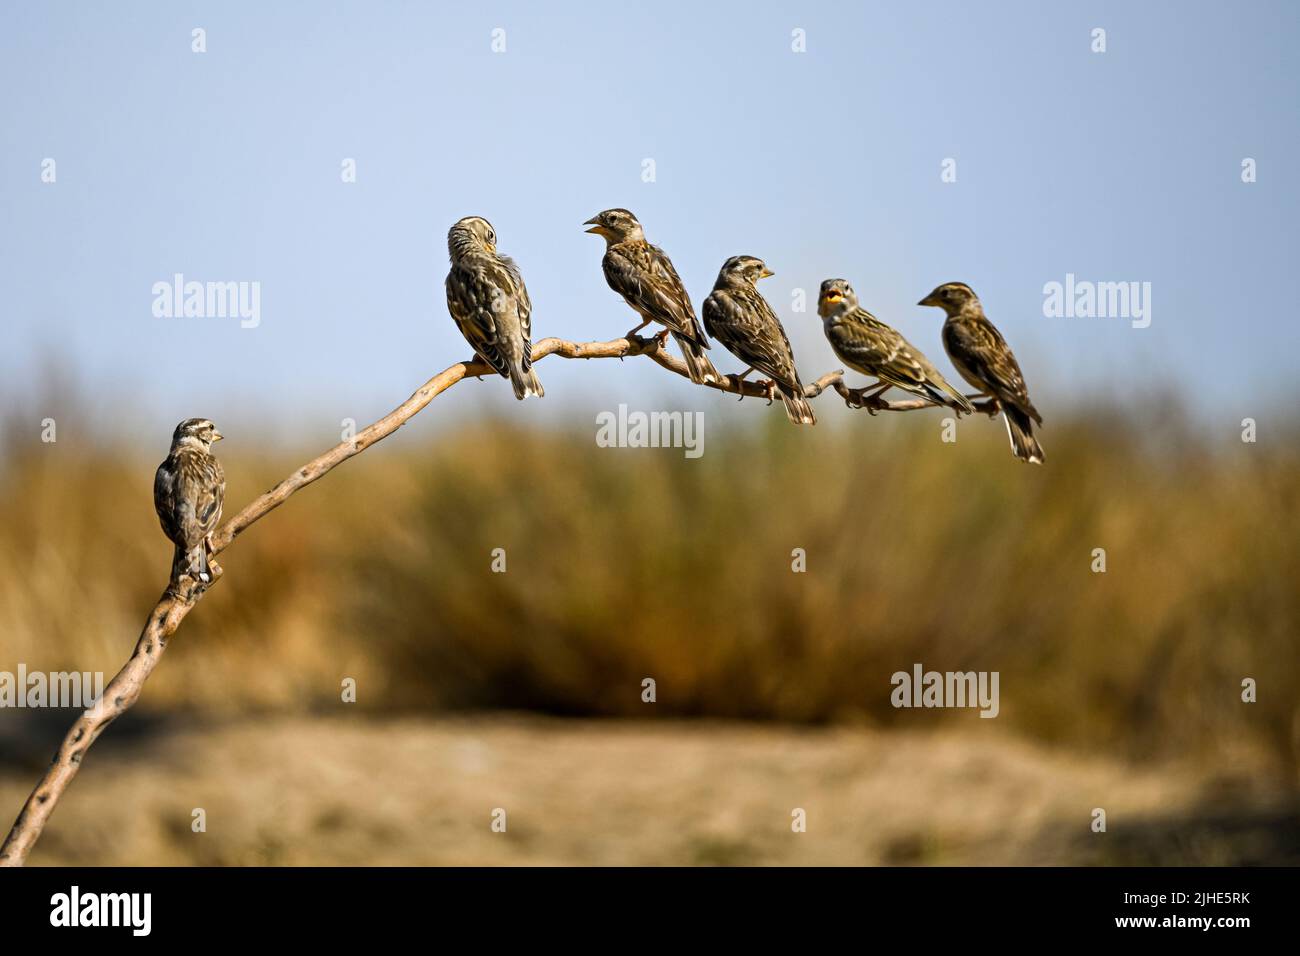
(1115, 166)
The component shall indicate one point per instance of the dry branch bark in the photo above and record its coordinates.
(124, 689)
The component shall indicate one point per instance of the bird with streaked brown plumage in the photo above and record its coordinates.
(740, 318)
(189, 489)
(871, 347)
(644, 276)
(982, 356)
(489, 303)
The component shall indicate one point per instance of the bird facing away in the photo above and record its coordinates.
(982, 356)
(866, 344)
(188, 490)
(738, 317)
(487, 298)
(644, 276)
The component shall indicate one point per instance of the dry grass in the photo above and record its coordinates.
(1117, 690)
(628, 563)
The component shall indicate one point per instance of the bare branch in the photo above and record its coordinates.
(866, 398)
(179, 599)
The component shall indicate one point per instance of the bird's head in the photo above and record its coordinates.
(836, 297)
(952, 297)
(471, 235)
(746, 269)
(615, 225)
(196, 433)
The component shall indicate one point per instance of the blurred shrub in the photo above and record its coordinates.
(627, 563)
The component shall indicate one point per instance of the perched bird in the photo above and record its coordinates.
(738, 317)
(871, 347)
(984, 359)
(188, 490)
(644, 276)
(487, 298)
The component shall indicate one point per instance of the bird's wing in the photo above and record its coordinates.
(470, 302)
(985, 360)
(212, 497)
(744, 322)
(524, 306)
(673, 286)
(164, 493)
(874, 348)
(644, 276)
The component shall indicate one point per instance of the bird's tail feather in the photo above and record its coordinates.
(1020, 429)
(955, 399)
(525, 383)
(698, 365)
(193, 562)
(797, 408)
(944, 394)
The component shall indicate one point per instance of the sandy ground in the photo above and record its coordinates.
(423, 791)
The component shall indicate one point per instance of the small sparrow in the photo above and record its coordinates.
(487, 298)
(982, 356)
(738, 317)
(644, 276)
(866, 344)
(188, 490)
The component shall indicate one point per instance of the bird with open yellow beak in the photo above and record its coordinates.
(871, 347)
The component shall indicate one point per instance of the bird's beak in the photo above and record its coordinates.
(832, 297)
(928, 300)
(766, 273)
(216, 435)
(596, 227)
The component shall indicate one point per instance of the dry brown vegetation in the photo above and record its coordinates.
(627, 563)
